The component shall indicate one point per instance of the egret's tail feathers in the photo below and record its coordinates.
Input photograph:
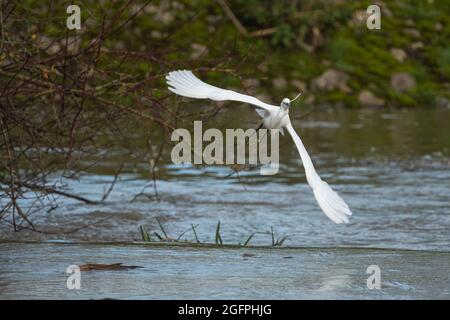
(331, 203)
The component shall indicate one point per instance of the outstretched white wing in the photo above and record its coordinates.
(185, 83)
(329, 201)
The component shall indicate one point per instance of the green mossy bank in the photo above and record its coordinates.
(275, 48)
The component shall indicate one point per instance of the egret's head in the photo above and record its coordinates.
(286, 103)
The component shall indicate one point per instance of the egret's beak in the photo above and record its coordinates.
(298, 96)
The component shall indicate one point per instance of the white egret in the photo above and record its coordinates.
(185, 83)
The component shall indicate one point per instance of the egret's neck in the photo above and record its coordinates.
(284, 109)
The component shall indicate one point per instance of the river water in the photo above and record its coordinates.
(391, 166)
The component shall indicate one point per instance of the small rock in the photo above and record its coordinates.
(402, 82)
(264, 97)
(317, 38)
(263, 66)
(73, 44)
(198, 50)
(299, 85)
(49, 45)
(53, 49)
(438, 26)
(417, 45)
(214, 19)
(166, 18)
(134, 9)
(119, 45)
(310, 99)
(156, 34)
(331, 80)
(161, 13)
(279, 83)
(410, 22)
(398, 54)
(412, 32)
(251, 83)
(443, 102)
(359, 17)
(151, 9)
(367, 99)
(384, 9)
(5, 62)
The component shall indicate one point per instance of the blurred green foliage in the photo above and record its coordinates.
(303, 39)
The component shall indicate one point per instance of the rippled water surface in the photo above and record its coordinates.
(180, 272)
(391, 166)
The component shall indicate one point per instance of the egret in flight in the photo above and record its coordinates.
(185, 83)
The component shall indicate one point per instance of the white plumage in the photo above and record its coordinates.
(186, 84)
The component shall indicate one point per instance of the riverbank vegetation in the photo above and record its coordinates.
(190, 236)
